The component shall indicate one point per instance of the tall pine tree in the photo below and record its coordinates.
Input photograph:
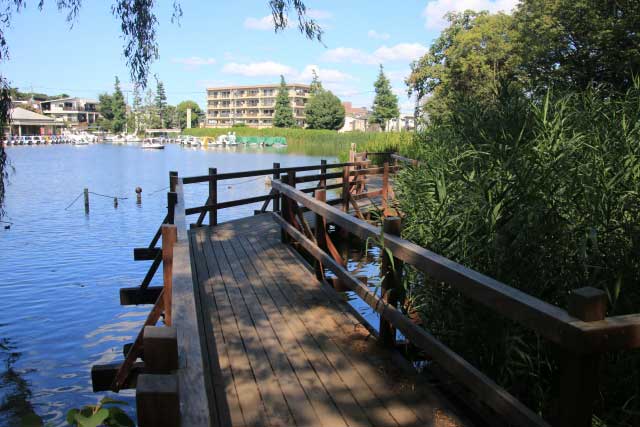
(316, 84)
(119, 109)
(161, 102)
(323, 109)
(385, 103)
(283, 115)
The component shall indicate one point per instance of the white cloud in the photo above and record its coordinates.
(402, 52)
(373, 34)
(341, 54)
(193, 62)
(326, 75)
(264, 23)
(258, 69)
(435, 10)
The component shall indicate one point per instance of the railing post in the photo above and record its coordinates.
(284, 237)
(173, 180)
(391, 287)
(276, 176)
(321, 196)
(169, 238)
(345, 188)
(579, 375)
(385, 185)
(213, 196)
(323, 171)
(172, 201)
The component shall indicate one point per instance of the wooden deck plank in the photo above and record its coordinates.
(289, 349)
(225, 393)
(321, 324)
(249, 397)
(271, 352)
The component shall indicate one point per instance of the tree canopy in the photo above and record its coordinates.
(181, 110)
(283, 114)
(323, 109)
(385, 103)
(119, 108)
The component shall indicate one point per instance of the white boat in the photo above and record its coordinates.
(132, 138)
(152, 144)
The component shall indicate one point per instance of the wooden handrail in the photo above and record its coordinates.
(247, 174)
(550, 321)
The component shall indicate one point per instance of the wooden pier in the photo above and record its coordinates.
(257, 334)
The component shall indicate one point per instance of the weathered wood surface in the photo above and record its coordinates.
(284, 349)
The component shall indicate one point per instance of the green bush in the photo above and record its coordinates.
(546, 198)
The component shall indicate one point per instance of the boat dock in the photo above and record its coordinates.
(257, 333)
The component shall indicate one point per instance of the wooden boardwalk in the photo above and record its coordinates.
(283, 349)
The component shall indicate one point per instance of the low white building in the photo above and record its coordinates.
(354, 124)
(25, 122)
(75, 112)
(401, 123)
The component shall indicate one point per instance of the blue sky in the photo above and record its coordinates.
(226, 43)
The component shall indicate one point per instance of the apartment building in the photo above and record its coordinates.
(253, 106)
(76, 112)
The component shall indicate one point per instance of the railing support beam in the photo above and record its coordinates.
(391, 270)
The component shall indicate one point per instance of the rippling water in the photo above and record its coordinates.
(60, 270)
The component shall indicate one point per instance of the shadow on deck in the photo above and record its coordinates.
(284, 349)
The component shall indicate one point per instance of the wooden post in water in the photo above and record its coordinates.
(169, 238)
(138, 195)
(276, 176)
(86, 200)
(213, 196)
(391, 288)
(579, 375)
(321, 196)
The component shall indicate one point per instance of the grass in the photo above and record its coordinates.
(320, 142)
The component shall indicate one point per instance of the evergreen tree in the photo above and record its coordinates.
(316, 84)
(283, 116)
(385, 103)
(323, 110)
(119, 109)
(181, 110)
(161, 102)
(106, 111)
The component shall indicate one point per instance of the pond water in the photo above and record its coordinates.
(60, 269)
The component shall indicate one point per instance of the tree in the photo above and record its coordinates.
(323, 110)
(139, 23)
(106, 111)
(283, 116)
(385, 103)
(570, 45)
(119, 109)
(161, 102)
(181, 110)
(316, 84)
(471, 58)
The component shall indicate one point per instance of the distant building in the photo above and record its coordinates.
(351, 111)
(402, 123)
(25, 122)
(354, 124)
(253, 106)
(75, 112)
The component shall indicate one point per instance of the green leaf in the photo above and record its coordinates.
(94, 420)
(71, 416)
(108, 400)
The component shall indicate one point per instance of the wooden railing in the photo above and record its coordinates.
(583, 332)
